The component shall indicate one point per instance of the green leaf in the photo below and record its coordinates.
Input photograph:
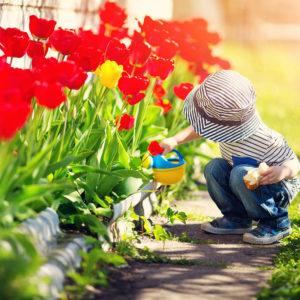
(153, 132)
(66, 161)
(154, 116)
(94, 224)
(123, 152)
(92, 193)
(29, 193)
(100, 211)
(35, 163)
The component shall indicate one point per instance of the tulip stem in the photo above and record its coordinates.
(141, 115)
(175, 119)
(98, 108)
(11, 61)
(64, 131)
(121, 113)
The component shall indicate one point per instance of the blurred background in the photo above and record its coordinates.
(261, 39)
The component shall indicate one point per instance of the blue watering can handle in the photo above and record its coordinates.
(181, 159)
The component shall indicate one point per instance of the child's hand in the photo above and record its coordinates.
(273, 174)
(168, 144)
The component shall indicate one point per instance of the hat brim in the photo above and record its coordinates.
(218, 132)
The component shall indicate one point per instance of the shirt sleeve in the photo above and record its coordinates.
(278, 151)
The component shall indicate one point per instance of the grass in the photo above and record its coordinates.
(274, 71)
(285, 280)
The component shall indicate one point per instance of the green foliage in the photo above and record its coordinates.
(19, 263)
(285, 281)
(93, 271)
(176, 215)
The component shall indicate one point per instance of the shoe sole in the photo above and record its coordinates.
(207, 227)
(251, 239)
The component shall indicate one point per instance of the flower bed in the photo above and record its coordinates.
(73, 128)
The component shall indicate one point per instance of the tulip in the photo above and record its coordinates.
(132, 85)
(160, 67)
(182, 90)
(36, 49)
(139, 52)
(135, 99)
(126, 122)
(64, 41)
(116, 51)
(41, 28)
(50, 95)
(13, 117)
(164, 104)
(69, 74)
(16, 92)
(154, 31)
(167, 49)
(88, 58)
(158, 91)
(112, 14)
(155, 149)
(13, 42)
(110, 73)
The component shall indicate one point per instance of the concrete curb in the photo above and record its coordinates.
(62, 250)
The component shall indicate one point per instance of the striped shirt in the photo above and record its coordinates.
(265, 145)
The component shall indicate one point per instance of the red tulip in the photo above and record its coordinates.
(126, 122)
(112, 14)
(136, 98)
(132, 85)
(50, 95)
(12, 118)
(64, 41)
(154, 31)
(155, 149)
(167, 49)
(41, 28)
(135, 70)
(18, 82)
(160, 67)
(16, 91)
(89, 39)
(139, 51)
(87, 58)
(71, 75)
(36, 49)
(13, 42)
(164, 104)
(222, 63)
(116, 51)
(158, 91)
(182, 90)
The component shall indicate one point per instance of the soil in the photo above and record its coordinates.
(223, 266)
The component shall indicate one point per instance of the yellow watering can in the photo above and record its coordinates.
(165, 170)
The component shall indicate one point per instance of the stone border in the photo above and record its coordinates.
(64, 256)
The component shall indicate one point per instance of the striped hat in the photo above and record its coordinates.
(222, 108)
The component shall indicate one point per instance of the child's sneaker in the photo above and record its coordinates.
(223, 226)
(261, 236)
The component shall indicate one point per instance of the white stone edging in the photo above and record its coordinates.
(45, 231)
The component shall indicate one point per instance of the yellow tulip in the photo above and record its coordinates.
(110, 73)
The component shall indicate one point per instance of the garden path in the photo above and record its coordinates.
(226, 267)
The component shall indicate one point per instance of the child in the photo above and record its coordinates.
(222, 109)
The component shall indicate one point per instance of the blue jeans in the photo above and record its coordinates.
(267, 204)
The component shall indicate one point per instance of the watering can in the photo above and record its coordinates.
(165, 170)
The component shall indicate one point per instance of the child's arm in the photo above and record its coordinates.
(275, 174)
(186, 135)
